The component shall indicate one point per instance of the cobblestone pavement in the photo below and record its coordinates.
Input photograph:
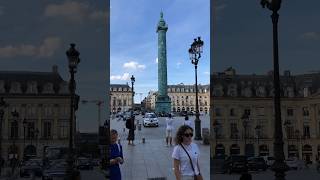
(153, 159)
(305, 174)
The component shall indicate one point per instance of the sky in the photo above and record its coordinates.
(243, 36)
(134, 42)
(36, 34)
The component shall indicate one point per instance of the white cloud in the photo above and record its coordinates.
(207, 73)
(157, 60)
(124, 77)
(73, 11)
(311, 35)
(179, 64)
(47, 49)
(134, 65)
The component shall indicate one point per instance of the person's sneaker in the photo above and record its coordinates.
(167, 145)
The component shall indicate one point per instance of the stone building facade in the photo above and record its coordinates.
(235, 95)
(183, 98)
(120, 97)
(42, 103)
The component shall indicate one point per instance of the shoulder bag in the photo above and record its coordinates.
(196, 177)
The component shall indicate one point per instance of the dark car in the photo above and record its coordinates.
(31, 167)
(84, 164)
(234, 163)
(183, 113)
(257, 163)
(57, 169)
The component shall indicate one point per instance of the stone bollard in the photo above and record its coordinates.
(139, 127)
(124, 129)
(143, 140)
(205, 136)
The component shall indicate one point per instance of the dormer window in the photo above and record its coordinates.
(32, 88)
(15, 87)
(261, 92)
(48, 88)
(63, 88)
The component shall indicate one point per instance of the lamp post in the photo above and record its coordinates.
(298, 137)
(3, 105)
(245, 119)
(279, 167)
(133, 79)
(195, 54)
(36, 133)
(73, 59)
(15, 116)
(24, 135)
(258, 130)
(215, 128)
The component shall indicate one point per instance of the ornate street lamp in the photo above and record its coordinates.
(3, 105)
(195, 54)
(15, 116)
(279, 167)
(73, 59)
(258, 131)
(36, 133)
(298, 137)
(24, 123)
(216, 125)
(245, 119)
(133, 79)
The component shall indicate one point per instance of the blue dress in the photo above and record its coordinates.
(115, 173)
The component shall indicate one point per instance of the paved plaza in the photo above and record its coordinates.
(305, 174)
(152, 159)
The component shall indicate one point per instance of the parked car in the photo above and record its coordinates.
(150, 119)
(84, 164)
(294, 163)
(235, 163)
(56, 169)
(95, 162)
(257, 163)
(269, 160)
(126, 116)
(183, 113)
(32, 166)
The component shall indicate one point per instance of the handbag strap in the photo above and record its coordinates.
(194, 172)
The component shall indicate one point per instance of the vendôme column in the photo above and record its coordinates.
(163, 103)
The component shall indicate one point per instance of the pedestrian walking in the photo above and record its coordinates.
(186, 155)
(116, 156)
(131, 126)
(169, 129)
(187, 121)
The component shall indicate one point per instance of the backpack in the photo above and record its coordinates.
(128, 124)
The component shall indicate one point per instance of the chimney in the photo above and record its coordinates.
(55, 69)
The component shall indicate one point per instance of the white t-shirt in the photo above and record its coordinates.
(169, 122)
(187, 122)
(185, 165)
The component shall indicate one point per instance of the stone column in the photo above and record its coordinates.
(163, 101)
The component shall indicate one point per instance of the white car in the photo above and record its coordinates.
(294, 163)
(150, 119)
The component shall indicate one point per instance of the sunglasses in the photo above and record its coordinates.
(188, 134)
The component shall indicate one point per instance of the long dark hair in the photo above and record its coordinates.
(180, 133)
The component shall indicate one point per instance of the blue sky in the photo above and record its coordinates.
(243, 36)
(36, 34)
(133, 41)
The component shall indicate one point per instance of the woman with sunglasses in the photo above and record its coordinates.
(186, 155)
